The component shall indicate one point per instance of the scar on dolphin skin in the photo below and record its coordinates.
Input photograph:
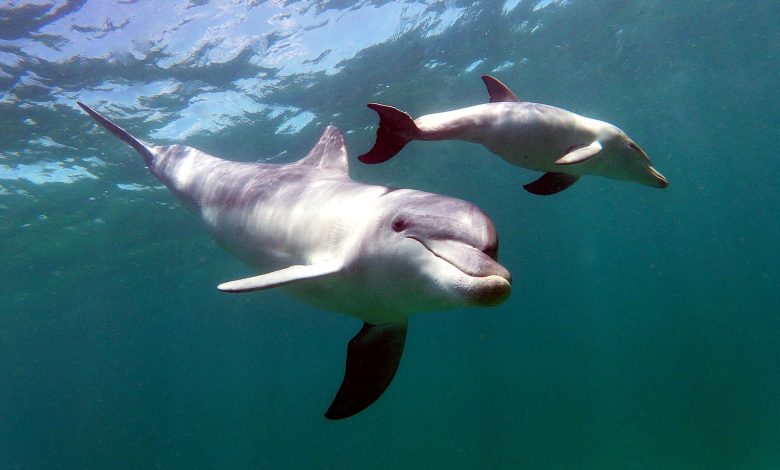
(562, 144)
(375, 253)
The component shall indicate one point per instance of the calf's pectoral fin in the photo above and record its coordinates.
(580, 154)
(551, 183)
(373, 356)
(281, 277)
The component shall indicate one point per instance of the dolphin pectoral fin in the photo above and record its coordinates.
(373, 356)
(281, 277)
(551, 183)
(498, 91)
(580, 154)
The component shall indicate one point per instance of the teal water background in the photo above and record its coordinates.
(643, 330)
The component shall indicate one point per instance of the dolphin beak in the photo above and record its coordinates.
(660, 180)
(490, 283)
(466, 258)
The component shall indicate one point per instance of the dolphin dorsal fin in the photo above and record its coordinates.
(329, 152)
(498, 91)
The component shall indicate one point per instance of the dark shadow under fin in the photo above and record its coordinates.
(498, 91)
(373, 356)
(551, 183)
(396, 129)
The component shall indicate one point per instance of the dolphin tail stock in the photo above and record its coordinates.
(373, 356)
(125, 136)
(396, 129)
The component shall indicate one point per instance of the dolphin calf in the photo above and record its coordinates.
(544, 138)
(375, 253)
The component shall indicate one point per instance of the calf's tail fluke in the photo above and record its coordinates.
(396, 129)
(119, 132)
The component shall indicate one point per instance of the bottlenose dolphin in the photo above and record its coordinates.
(539, 137)
(378, 254)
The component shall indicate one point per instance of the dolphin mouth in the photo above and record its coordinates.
(660, 179)
(466, 258)
(491, 282)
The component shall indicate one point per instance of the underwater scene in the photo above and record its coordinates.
(161, 308)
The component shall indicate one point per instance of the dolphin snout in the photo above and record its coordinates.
(490, 291)
(488, 282)
(466, 258)
(659, 180)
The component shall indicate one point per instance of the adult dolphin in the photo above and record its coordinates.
(372, 252)
(539, 137)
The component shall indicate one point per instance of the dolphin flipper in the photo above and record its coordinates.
(373, 356)
(551, 183)
(281, 277)
(580, 154)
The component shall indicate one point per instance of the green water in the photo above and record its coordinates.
(643, 330)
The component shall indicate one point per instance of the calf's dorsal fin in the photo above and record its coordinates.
(498, 91)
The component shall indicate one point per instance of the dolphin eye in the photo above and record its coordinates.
(636, 149)
(639, 151)
(399, 224)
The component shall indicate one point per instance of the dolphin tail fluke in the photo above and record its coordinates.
(119, 132)
(373, 356)
(396, 129)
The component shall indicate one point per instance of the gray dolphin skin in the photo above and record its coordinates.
(535, 136)
(375, 253)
